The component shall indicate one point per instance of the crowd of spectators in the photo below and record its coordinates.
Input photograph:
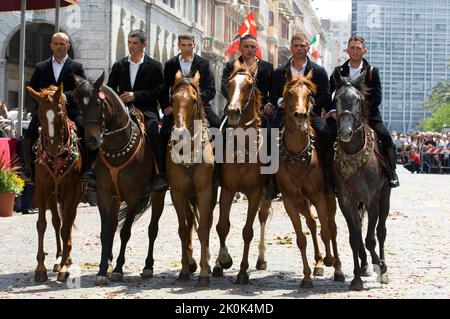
(423, 152)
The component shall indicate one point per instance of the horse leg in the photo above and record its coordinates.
(331, 204)
(224, 260)
(40, 274)
(204, 206)
(108, 208)
(381, 235)
(322, 211)
(157, 209)
(68, 217)
(125, 234)
(190, 224)
(264, 212)
(56, 221)
(312, 225)
(293, 212)
(183, 231)
(247, 234)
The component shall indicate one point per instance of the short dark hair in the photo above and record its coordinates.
(357, 38)
(247, 37)
(138, 34)
(186, 37)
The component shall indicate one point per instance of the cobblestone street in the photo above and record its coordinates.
(417, 254)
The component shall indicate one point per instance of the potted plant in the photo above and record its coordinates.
(11, 185)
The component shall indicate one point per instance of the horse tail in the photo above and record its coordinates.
(143, 204)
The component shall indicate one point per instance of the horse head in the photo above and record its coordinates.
(52, 115)
(90, 99)
(186, 104)
(298, 99)
(242, 91)
(349, 101)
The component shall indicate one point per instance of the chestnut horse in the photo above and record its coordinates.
(124, 169)
(301, 178)
(243, 112)
(57, 178)
(356, 163)
(191, 174)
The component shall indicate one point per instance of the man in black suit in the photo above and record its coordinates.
(139, 80)
(352, 68)
(60, 68)
(188, 63)
(300, 64)
(248, 47)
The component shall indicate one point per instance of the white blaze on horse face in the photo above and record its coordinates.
(239, 79)
(51, 128)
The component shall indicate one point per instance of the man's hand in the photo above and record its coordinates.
(268, 109)
(127, 97)
(167, 110)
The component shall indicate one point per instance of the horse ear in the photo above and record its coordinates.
(59, 93)
(253, 68)
(33, 94)
(99, 81)
(361, 78)
(288, 75)
(78, 79)
(178, 76)
(309, 76)
(337, 77)
(237, 65)
(197, 78)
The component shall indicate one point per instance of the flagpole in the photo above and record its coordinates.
(23, 9)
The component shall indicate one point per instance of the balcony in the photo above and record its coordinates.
(213, 48)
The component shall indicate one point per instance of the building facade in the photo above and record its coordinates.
(410, 42)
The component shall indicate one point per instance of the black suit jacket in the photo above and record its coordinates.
(43, 77)
(263, 79)
(147, 87)
(207, 82)
(373, 84)
(320, 78)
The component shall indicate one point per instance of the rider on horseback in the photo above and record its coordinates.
(352, 68)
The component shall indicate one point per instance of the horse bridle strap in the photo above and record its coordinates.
(114, 170)
(347, 112)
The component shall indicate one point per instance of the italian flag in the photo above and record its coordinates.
(314, 47)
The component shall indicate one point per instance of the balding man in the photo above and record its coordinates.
(54, 71)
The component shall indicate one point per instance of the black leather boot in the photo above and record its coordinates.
(390, 156)
(328, 160)
(159, 180)
(26, 172)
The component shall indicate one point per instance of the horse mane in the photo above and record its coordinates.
(298, 81)
(188, 80)
(50, 90)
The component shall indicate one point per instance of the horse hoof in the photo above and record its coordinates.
(203, 281)
(357, 285)
(227, 263)
(147, 273)
(384, 279)
(217, 271)
(339, 275)
(328, 261)
(242, 279)
(40, 276)
(62, 276)
(365, 272)
(184, 276)
(306, 283)
(56, 268)
(101, 280)
(318, 271)
(116, 276)
(193, 267)
(261, 265)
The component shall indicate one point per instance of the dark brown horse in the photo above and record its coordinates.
(190, 172)
(124, 169)
(243, 111)
(58, 177)
(301, 178)
(360, 182)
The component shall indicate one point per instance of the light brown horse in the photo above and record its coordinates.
(243, 111)
(190, 173)
(301, 178)
(58, 177)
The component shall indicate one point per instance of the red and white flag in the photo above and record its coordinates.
(248, 27)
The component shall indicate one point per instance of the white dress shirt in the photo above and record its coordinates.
(296, 72)
(134, 68)
(58, 66)
(185, 66)
(355, 72)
